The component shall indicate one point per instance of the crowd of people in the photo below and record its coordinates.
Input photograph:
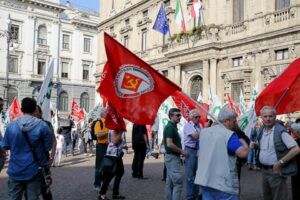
(212, 155)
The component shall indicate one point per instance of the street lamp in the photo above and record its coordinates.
(9, 38)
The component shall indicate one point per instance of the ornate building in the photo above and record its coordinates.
(39, 31)
(242, 42)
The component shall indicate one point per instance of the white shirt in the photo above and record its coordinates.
(59, 140)
(267, 155)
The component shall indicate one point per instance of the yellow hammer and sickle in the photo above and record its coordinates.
(131, 83)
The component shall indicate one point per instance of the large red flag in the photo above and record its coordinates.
(14, 110)
(233, 106)
(133, 87)
(113, 121)
(186, 105)
(77, 112)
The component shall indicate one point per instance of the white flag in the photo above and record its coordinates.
(242, 106)
(247, 121)
(43, 99)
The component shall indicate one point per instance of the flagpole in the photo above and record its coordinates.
(201, 107)
(280, 99)
(183, 19)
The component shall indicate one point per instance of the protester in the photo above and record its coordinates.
(140, 144)
(23, 168)
(80, 138)
(113, 166)
(66, 125)
(59, 146)
(219, 148)
(38, 113)
(101, 133)
(251, 160)
(276, 151)
(172, 142)
(163, 151)
(88, 141)
(74, 137)
(295, 128)
(191, 131)
(209, 123)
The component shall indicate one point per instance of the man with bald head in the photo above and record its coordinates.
(276, 150)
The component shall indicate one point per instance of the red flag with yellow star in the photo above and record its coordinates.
(131, 86)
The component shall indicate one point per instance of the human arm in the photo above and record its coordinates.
(237, 146)
(174, 148)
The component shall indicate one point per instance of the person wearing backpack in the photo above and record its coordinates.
(100, 133)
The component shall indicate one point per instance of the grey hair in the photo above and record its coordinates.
(226, 113)
(296, 127)
(193, 112)
(263, 110)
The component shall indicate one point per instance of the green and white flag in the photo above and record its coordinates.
(163, 117)
(200, 98)
(253, 97)
(214, 103)
(179, 16)
(247, 121)
(43, 99)
(95, 113)
(242, 106)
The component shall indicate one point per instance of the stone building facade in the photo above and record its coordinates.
(42, 30)
(241, 43)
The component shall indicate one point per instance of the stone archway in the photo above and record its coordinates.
(196, 86)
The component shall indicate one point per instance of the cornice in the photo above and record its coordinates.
(45, 4)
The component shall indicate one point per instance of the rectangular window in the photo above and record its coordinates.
(144, 39)
(282, 54)
(127, 21)
(64, 69)
(15, 30)
(85, 72)
(167, 3)
(165, 73)
(13, 65)
(66, 42)
(41, 67)
(282, 4)
(145, 13)
(126, 40)
(87, 45)
(236, 90)
(237, 61)
(238, 11)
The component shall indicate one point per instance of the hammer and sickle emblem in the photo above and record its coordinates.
(131, 83)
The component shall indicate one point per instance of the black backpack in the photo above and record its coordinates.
(93, 136)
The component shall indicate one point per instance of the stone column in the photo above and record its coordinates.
(213, 75)
(171, 73)
(205, 80)
(177, 75)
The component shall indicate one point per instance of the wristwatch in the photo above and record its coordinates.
(281, 162)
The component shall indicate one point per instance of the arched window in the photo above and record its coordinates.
(196, 87)
(11, 94)
(42, 35)
(84, 101)
(63, 101)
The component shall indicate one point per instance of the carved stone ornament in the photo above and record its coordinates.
(14, 5)
(144, 21)
(126, 29)
(169, 10)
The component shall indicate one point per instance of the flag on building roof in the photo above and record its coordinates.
(161, 23)
(195, 9)
(43, 99)
(179, 16)
(133, 87)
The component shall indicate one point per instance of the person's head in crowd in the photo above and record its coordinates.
(228, 118)
(28, 106)
(268, 115)
(195, 116)
(38, 112)
(90, 120)
(174, 115)
(295, 128)
(209, 123)
(298, 120)
(59, 130)
(1, 104)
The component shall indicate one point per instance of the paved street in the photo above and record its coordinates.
(74, 181)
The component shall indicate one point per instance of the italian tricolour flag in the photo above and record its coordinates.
(179, 17)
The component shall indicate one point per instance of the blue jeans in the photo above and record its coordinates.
(17, 188)
(213, 194)
(66, 143)
(251, 157)
(174, 177)
(191, 164)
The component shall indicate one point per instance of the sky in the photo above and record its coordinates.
(84, 4)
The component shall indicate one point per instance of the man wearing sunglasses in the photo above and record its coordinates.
(172, 142)
(191, 131)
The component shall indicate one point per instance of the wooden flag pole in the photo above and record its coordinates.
(282, 96)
